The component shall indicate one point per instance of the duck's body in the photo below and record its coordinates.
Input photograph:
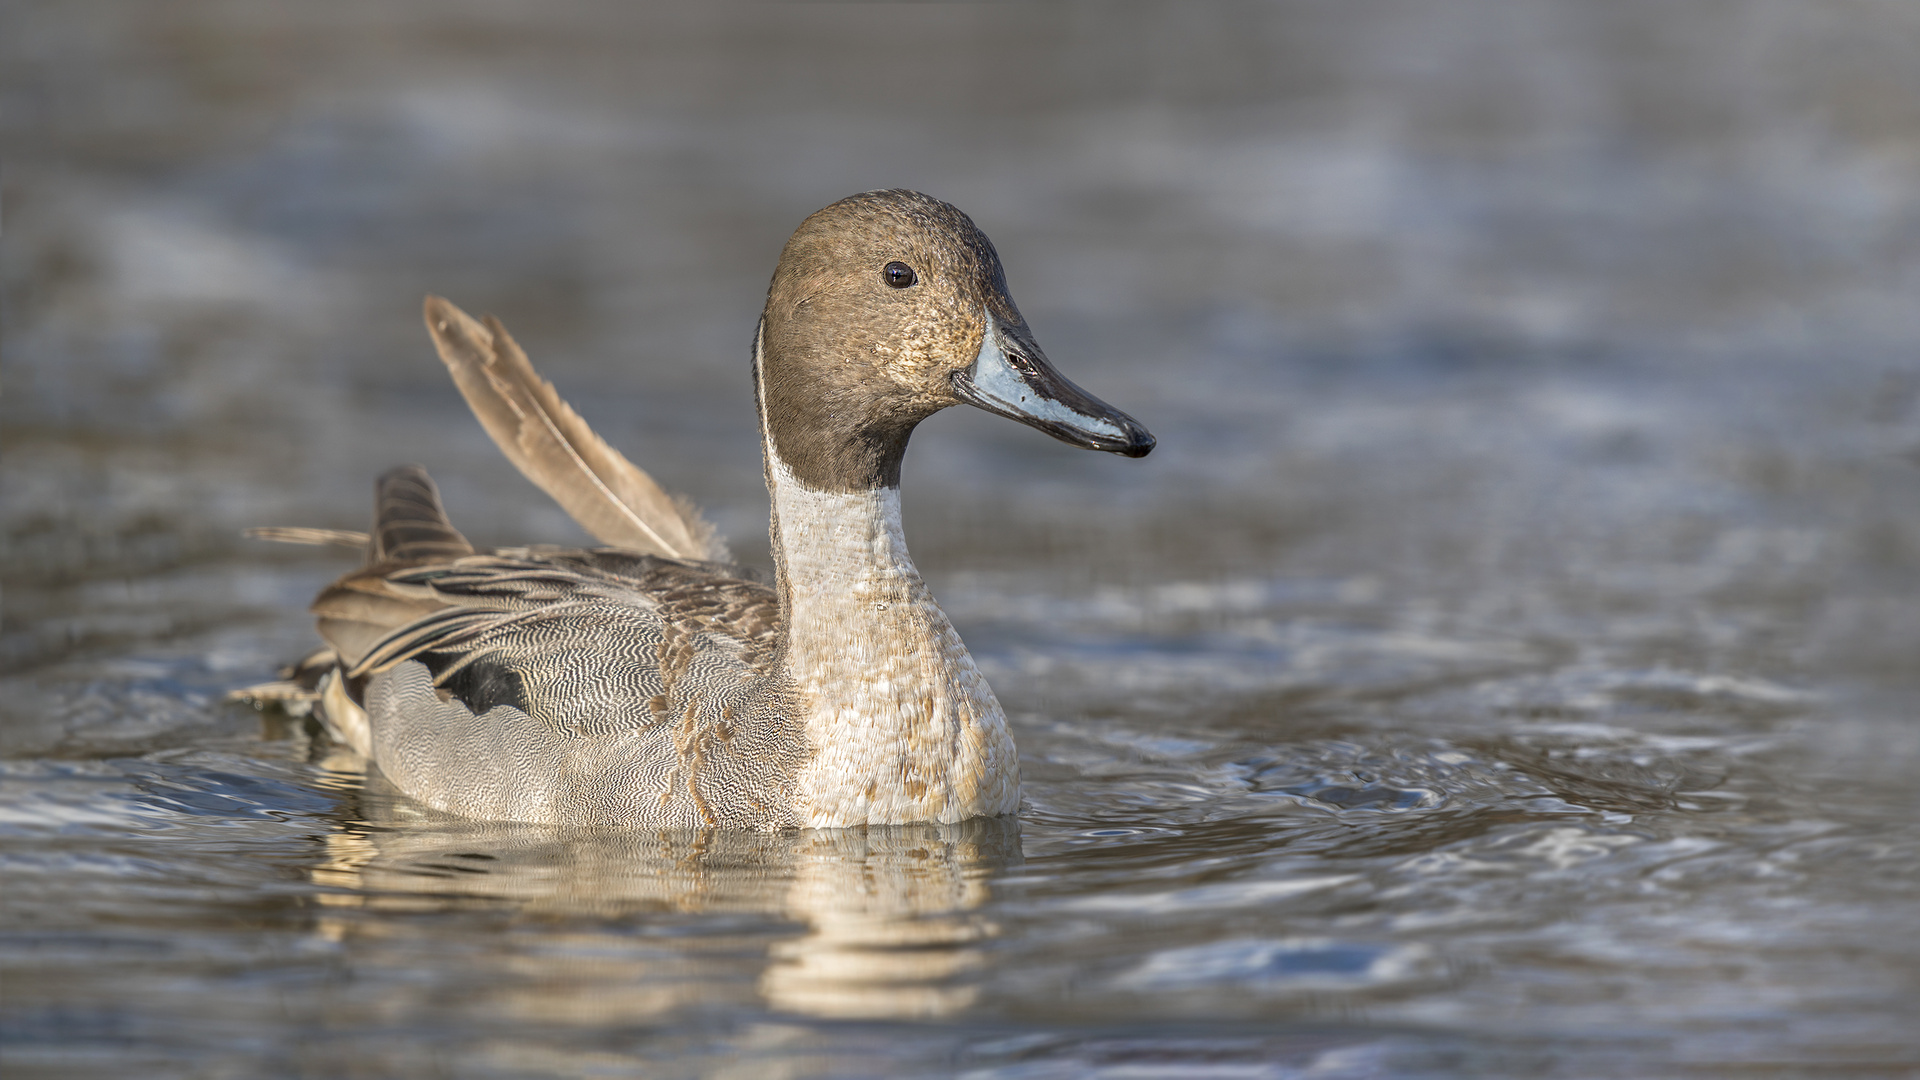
(655, 683)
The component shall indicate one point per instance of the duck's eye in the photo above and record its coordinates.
(899, 275)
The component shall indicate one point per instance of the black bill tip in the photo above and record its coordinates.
(1139, 444)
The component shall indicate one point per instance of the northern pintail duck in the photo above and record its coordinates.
(653, 681)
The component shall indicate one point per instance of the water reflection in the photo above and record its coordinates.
(892, 928)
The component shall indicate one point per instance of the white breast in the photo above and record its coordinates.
(903, 725)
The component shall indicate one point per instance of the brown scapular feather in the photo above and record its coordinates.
(609, 496)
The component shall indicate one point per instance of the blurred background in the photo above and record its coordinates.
(220, 219)
(1538, 377)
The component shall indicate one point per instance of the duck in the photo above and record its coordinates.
(653, 681)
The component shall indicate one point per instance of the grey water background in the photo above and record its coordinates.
(1506, 665)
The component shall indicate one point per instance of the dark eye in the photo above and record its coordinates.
(899, 275)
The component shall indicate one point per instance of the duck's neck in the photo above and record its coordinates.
(902, 724)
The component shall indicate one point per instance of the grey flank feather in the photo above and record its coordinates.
(609, 496)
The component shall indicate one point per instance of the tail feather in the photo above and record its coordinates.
(551, 445)
(409, 523)
(409, 528)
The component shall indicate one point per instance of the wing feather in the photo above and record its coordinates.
(358, 610)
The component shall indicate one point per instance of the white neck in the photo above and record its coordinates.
(902, 724)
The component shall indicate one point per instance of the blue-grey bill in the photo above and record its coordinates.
(1012, 377)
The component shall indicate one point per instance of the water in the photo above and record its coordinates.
(1503, 667)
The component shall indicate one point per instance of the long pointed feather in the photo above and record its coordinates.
(299, 534)
(609, 496)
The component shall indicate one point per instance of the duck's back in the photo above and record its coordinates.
(562, 686)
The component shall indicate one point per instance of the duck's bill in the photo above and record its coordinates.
(1012, 377)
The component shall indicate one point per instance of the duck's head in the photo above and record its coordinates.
(886, 308)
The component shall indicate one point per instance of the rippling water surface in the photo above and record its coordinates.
(1505, 666)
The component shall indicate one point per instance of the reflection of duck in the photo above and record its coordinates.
(656, 683)
(891, 927)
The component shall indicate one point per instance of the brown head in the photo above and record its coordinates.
(886, 308)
